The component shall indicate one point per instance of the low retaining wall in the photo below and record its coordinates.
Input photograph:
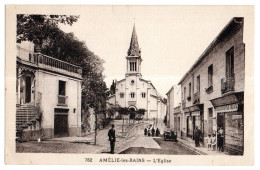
(134, 130)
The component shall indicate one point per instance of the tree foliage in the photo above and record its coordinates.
(37, 28)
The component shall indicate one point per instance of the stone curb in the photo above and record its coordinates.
(197, 151)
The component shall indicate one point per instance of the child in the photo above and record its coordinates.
(213, 141)
(209, 141)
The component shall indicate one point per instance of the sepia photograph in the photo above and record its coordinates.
(130, 84)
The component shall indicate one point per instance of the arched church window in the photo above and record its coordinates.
(132, 94)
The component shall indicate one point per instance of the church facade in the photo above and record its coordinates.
(134, 92)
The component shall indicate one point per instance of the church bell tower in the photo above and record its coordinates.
(134, 57)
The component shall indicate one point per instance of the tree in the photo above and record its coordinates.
(111, 110)
(140, 113)
(113, 88)
(123, 111)
(37, 28)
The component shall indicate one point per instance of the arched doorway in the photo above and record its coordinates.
(132, 110)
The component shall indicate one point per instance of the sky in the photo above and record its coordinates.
(171, 38)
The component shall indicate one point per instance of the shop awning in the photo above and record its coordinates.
(194, 108)
(233, 98)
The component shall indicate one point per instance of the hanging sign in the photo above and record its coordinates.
(236, 117)
(197, 113)
(227, 108)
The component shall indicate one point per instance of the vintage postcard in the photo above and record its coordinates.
(129, 85)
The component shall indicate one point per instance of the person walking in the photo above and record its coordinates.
(112, 138)
(149, 132)
(145, 131)
(157, 132)
(153, 131)
(197, 134)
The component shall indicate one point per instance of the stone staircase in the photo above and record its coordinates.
(27, 119)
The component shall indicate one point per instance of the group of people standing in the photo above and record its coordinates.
(151, 131)
(212, 140)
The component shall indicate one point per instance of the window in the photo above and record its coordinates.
(62, 88)
(198, 83)
(184, 93)
(132, 94)
(189, 90)
(132, 81)
(28, 84)
(121, 95)
(210, 121)
(230, 62)
(210, 75)
(132, 66)
(143, 95)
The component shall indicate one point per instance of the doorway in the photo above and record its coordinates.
(61, 126)
(132, 113)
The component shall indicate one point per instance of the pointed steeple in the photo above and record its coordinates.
(134, 49)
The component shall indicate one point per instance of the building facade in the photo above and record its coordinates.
(48, 94)
(134, 92)
(213, 89)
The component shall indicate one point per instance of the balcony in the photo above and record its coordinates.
(183, 103)
(196, 99)
(47, 62)
(62, 100)
(209, 90)
(228, 84)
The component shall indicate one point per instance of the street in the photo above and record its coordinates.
(138, 144)
(165, 148)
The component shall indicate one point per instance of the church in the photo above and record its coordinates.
(134, 92)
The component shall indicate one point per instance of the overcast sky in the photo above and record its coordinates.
(171, 37)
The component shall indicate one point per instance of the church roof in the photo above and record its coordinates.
(134, 49)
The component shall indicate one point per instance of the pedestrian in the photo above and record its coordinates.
(220, 139)
(149, 132)
(145, 131)
(213, 142)
(153, 131)
(112, 138)
(157, 132)
(209, 141)
(197, 134)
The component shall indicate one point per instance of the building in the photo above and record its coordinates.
(170, 108)
(134, 92)
(213, 89)
(48, 94)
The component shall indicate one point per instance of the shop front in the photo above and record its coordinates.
(194, 118)
(177, 124)
(230, 117)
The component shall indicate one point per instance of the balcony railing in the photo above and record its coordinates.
(196, 99)
(49, 62)
(53, 62)
(183, 103)
(228, 84)
(62, 100)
